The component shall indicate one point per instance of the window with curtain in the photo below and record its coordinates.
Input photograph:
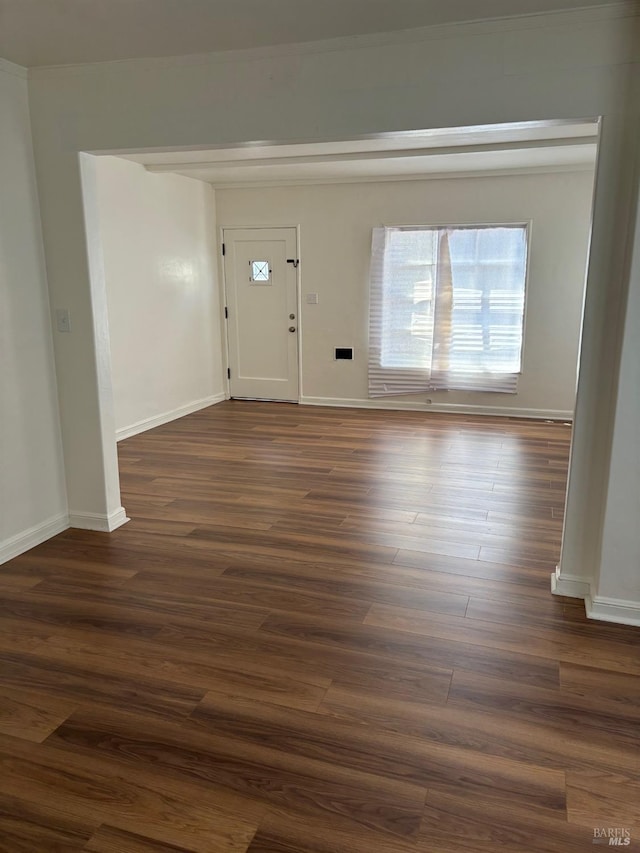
(446, 308)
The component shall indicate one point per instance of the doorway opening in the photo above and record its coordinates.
(242, 332)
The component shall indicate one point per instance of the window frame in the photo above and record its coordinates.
(527, 225)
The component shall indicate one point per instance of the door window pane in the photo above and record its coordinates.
(260, 272)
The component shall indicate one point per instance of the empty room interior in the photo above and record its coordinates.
(320, 472)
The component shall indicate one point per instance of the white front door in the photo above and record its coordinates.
(262, 312)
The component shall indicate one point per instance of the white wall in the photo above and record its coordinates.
(158, 237)
(567, 65)
(335, 233)
(33, 502)
(615, 593)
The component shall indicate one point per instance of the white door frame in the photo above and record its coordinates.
(224, 301)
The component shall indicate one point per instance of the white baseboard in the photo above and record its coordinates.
(98, 521)
(622, 611)
(32, 536)
(617, 610)
(570, 586)
(441, 408)
(167, 417)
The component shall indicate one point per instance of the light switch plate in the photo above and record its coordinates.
(311, 298)
(63, 320)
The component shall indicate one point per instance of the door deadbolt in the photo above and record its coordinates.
(292, 328)
(292, 316)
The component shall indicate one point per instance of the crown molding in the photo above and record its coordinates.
(15, 70)
(560, 18)
(380, 179)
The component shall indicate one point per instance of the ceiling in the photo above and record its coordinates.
(533, 146)
(63, 32)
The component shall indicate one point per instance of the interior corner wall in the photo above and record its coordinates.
(158, 237)
(33, 503)
(335, 234)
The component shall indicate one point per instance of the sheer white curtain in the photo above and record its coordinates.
(446, 309)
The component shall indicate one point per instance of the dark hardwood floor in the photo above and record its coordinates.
(323, 631)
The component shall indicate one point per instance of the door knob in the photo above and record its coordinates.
(292, 328)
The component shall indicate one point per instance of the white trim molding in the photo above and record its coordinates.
(98, 521)
(14, 69)
(386, 178)
(167, 417)
(32, 536)
(570, 586)
(618, 610)
(436, 32)
(440, 408)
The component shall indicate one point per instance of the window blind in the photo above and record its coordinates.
(446, 309)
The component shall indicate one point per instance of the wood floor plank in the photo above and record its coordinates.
(139, 613)
(323, 631)
(453, 823)
(310, 662)
(244, 591)
(493, 729)
(286, 543)
(163, 526)
(603, 717)
(524, 612)
(473, 568)
(87, 559)
(372, 639)
(608, 800)
(145, 803)
(321, 581)
(165, 680)
(283, 832)
(589, 680)
(395, 584)
(17, 580)
(186, 750)
(108, 839)
(29, 827)
(550, 643)
(383, 754)
(480, 533)
(31, 715)
(56, 558)
(70, 677)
